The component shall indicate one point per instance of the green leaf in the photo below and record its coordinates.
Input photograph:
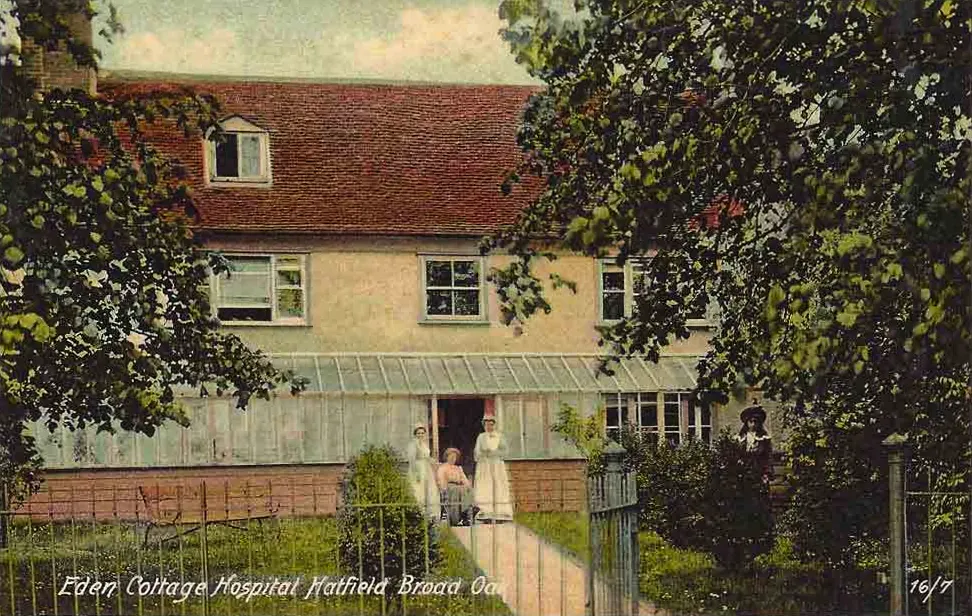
(848, 316)
(13, 255)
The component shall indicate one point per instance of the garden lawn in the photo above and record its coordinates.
(685, 581)
(568, 531)
(285, 548)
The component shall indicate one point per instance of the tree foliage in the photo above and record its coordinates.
(805, 166)
(105, 308)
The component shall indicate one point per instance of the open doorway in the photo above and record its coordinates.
(460, 422)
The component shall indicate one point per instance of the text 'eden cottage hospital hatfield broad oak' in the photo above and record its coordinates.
(352, 215)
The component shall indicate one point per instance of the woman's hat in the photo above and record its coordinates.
(755, 412)
(419, 426)
(449, 450)
(489, 412)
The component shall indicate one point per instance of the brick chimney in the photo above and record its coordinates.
(57, 69)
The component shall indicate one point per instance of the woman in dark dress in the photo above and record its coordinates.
(756, 440)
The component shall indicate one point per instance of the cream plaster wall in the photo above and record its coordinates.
(366, 296)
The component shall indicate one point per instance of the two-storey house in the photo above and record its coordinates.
(352, 214)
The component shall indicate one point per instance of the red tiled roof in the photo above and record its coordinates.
(722, 205)
(360, 158)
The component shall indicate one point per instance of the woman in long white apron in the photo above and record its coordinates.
(421, 474)
(491, 485)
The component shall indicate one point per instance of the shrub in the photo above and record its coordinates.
(702, 497)
(671, 487)
(695, 495)
(739, 519)
(392, 539)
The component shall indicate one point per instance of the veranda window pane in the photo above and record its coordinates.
(466, 273)
(467, 302)
(438, 274)
(249, 155)
(226, 157)
(649, 413)
(672, 418)
(612, 416)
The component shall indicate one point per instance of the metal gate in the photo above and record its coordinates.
(939, 578)
(612, 577)
(931, 540)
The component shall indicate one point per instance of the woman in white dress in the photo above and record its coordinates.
(491, 485)
(421, 474)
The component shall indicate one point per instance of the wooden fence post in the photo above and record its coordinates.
(897, 446)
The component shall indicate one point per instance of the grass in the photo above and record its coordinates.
(569, 531)
(39, 558)
(684, 581)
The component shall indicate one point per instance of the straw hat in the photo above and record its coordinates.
(449, 450)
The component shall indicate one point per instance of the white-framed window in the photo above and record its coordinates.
(639, 410)
(262, 289)
(674, 416)
(453, 288)
(619, 288)
(239, 153)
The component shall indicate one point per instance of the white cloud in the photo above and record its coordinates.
(460, 43)
(174, 50)
(452, 44)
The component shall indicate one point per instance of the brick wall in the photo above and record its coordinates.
(56, 68)
(549, 485)
(106, 494)
(289, 490)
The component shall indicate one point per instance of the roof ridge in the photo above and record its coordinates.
(129, 75)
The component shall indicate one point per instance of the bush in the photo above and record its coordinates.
(702, 497)
(740, 519)
(695, 495)
(389, 540)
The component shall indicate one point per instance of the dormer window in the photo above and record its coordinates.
(239, 153)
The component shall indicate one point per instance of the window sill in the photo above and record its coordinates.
(255, 182)
(690, 323)
(264, 324)
(474, 322)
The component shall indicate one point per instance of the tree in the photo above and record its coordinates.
(805, 166)
(104, 303)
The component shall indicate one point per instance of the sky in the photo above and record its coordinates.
(453, 41)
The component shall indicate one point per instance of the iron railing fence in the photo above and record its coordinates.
(614, 573)
(282, 546)
(937, 561)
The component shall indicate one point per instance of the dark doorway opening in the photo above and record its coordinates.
(460, 422)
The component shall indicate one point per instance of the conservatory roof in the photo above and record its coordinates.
(484, 373)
